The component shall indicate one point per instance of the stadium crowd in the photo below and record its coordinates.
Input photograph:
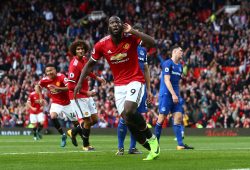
(216, 61)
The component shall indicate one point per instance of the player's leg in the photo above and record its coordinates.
(141, 109)
(33, 121)
(86, 133)
(158, 126)
(72, 133)
(127, 106)
(40, 118)
(121, 134)
(81, 108)
(55, 109)
(164, 108)
(69, 113)
(178, 131)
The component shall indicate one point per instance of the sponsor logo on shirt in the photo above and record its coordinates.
(118, 57)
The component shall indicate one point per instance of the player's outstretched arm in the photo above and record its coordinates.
(85, 71)
(147, 40)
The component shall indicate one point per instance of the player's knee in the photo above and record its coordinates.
(94, 119)
(75, 123)
(53, 115)
(178, 118)
(87, 123)
(161, 118)
(130, 108)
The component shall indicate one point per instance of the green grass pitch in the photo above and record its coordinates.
(21, 152)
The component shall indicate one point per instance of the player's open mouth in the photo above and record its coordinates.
(115, 30)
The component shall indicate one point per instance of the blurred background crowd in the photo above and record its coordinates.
(216, 61)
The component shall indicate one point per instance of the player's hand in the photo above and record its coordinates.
(77, 89)
(33, 108)
(127, 28)
(175, 99)
(102, 80)
(91, 93)
(149, 97)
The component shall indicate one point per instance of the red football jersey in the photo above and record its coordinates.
(75, 68)
(34, 100)
(122, 58)
(61, 97)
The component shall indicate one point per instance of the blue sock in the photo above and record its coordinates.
(132, 141)
(158, 128)
(177, 131)
(121, 133)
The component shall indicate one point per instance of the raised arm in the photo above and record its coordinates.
(147, 40)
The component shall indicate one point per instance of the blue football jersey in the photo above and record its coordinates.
(142, 57)
(175, 72)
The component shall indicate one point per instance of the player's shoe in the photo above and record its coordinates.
(134, 151)
(63, 142)
(155, 149)
(184, 147)
(72, 137)
(88, 148)
(120, 151)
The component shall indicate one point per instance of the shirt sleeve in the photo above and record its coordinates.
(166, 68)
(64, 79)
(97, 51)
(73, 74)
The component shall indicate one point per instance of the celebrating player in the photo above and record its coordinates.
(56, 84)
(122, 128)
(83, 104)
(120, 50)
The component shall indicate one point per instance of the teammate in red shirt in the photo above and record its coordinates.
(120, 50)
(83, 104)
(35, 109)
(56, 84)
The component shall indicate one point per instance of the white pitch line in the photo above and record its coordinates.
(32, 153)
(102, 151)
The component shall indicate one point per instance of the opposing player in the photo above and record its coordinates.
(122, 128)
(169, 96)
(35, 109)
(56, 84)
(83, 104)
(120, 50)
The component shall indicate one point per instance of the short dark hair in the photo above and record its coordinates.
(138, 26)
(174, 47)
(76, 44)
(50, 65)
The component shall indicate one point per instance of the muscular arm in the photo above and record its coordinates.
(147, 40)
(84, 73)
(86, 70)
(147, 77)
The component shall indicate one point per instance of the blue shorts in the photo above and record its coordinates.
(166, 105)
(143, 108)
